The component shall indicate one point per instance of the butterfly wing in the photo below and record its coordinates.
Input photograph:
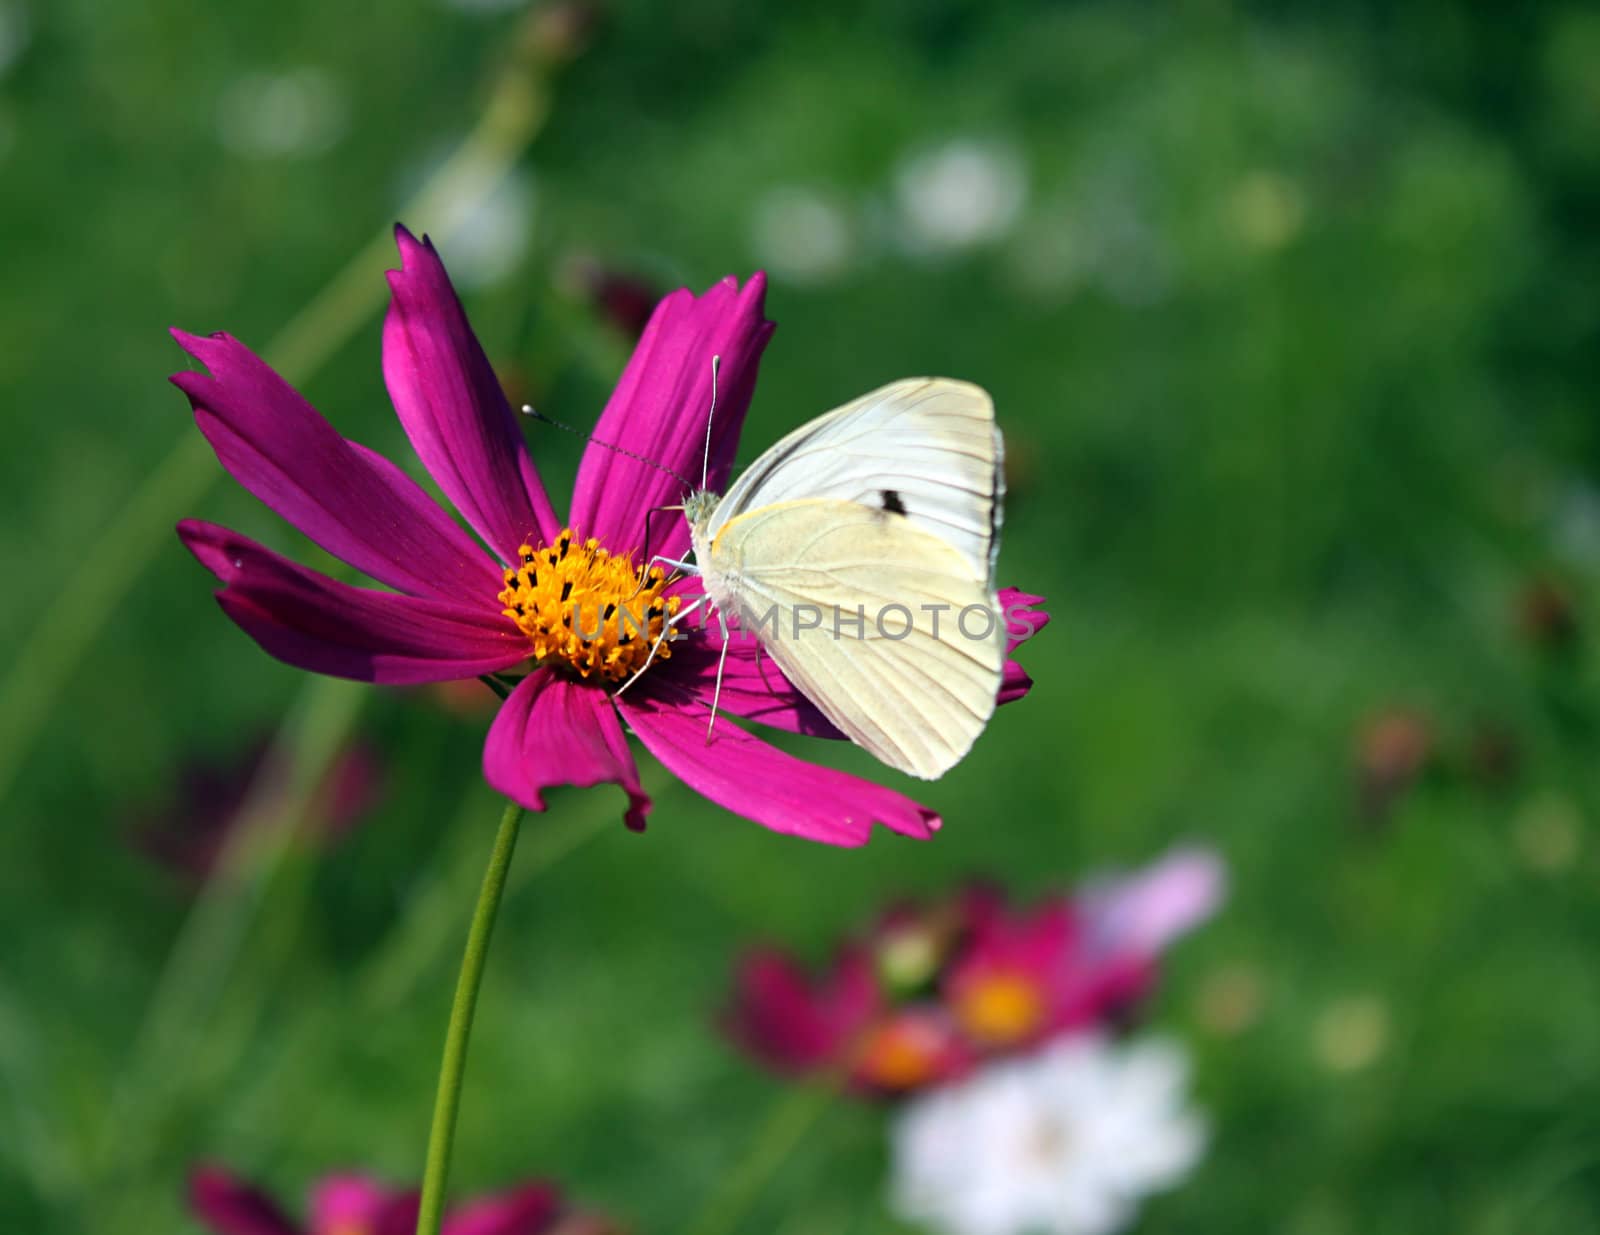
(914, 680)
(924, 447)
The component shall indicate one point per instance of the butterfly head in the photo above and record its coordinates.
(697, 507)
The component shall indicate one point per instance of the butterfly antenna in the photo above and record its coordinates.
(528, 410)
(705, 466)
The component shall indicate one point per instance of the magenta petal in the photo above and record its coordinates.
(313, 622)
(1014, 684)
(355, 504)
(1023, 616)
(659, 409)
(527, 1210)
(747, 776)
(1024, 619)
(554, 731)
(794, 1024)
(223, 1203)
(345, 1203)
(453, 409)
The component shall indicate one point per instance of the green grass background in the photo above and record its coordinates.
(1268, 488)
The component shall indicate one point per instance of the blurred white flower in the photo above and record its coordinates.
(15, 34)
(1065, 1142)
(281, 115)
(485, 235)
(964, 193)
(802, 234)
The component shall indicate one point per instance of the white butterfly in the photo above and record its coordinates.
(860, 550)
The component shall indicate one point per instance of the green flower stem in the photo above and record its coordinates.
(441, 1138)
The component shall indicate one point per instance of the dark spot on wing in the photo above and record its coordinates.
(892, 502)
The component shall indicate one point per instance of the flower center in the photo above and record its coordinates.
(1048, 1142)
(1000, 1010)
(903, 1054)
(586, 609)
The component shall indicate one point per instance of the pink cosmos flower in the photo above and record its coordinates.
(932, 990)
(844, 1021)
(459, 609)
(796, 1024)
(191, 833)
(1024, 976)
(351, 1204)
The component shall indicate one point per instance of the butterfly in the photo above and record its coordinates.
(860, 550)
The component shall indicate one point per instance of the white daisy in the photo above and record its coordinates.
(1065, 1142)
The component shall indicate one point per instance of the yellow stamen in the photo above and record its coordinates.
(585, 609)
(1000, 1010)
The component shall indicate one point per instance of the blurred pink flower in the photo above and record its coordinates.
(1141, 913)
(797, 1024)
(192, 831)
(460, 611)
(933, 990)
(841, 1021)
(1027, 975)
(909, 1048)
(351, 1204)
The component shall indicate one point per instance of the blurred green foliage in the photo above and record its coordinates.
(1294, 338)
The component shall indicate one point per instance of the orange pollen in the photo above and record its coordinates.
(1000, 1010)
(899, 1056)
(588, 610)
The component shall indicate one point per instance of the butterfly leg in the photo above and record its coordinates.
(722, 661)
(688, 568)
(666, 629)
